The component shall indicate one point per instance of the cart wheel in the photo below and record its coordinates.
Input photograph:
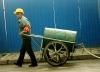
(56, 53)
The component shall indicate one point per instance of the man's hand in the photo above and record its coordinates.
(20, 34)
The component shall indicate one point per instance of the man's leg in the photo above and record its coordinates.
(28, 47)
(22, 54)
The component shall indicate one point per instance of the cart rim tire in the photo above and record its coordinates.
(56, 53)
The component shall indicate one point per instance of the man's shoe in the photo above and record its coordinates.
(32, 65)
(18, 64)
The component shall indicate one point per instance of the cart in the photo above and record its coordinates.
(56, 46)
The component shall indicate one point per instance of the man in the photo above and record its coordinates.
(25, 28)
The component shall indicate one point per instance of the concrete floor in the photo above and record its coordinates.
(79, 54)
(70, 66)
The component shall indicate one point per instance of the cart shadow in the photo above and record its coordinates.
(66, 65)
(69, 64)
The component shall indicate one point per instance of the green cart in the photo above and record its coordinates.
(57, 44)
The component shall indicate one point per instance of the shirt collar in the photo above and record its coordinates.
(20, 19)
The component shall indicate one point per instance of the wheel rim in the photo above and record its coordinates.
(56, 53)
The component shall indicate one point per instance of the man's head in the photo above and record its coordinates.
(19, 13)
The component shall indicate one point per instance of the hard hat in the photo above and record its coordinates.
(19, 10)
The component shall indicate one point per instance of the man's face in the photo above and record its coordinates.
(19, 15)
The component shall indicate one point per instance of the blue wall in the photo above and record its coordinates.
(2, 30)
(79, 15)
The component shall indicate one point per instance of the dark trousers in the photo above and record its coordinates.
(26, 46)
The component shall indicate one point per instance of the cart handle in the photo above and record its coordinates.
(39, 36)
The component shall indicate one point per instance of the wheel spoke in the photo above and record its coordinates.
(50, 50)
(57, 58)
(53, 60)
(64, 54)
(60, 49)
(52, 56)
(54, 47)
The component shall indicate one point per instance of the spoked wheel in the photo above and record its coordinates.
(56, 53)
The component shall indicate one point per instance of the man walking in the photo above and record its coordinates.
(25, 28)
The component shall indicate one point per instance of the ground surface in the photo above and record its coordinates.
(70, 66)
(79, 54)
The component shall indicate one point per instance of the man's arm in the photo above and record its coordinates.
(26, 27)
